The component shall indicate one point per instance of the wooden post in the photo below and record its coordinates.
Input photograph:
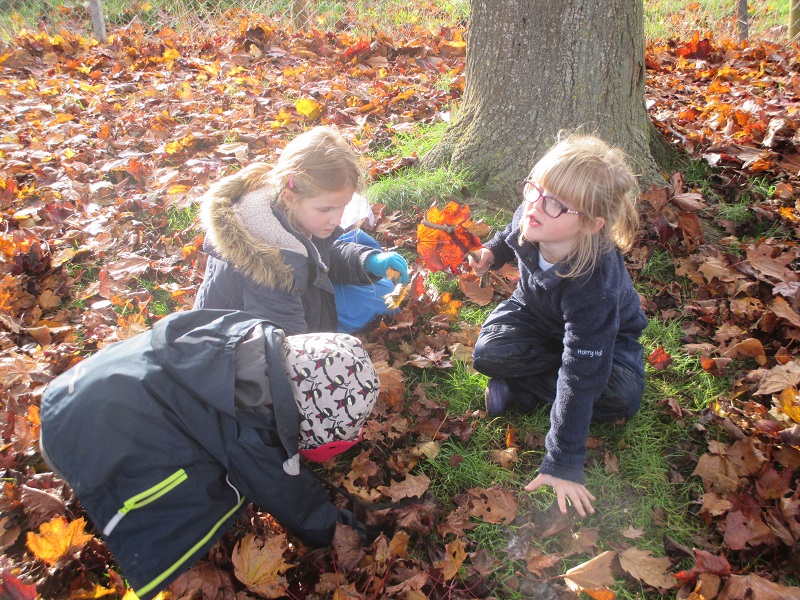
(741, 20)
(794, 19)
(98, 20)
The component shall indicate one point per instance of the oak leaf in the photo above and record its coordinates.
(258, 563)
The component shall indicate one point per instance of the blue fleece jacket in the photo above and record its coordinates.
(588, 316)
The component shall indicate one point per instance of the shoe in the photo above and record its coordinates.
(497, 396)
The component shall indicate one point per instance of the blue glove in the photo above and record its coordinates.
(378, 263)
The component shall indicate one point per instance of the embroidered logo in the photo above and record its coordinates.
(589, 353)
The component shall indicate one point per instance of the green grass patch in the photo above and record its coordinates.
(412, 188)
(649, 491)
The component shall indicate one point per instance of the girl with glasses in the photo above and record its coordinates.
(568, 336)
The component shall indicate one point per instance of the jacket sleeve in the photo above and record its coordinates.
(347, 263)
(591, 326)
(297, 502)
(503, 253)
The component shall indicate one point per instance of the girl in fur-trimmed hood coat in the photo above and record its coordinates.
(272, 236)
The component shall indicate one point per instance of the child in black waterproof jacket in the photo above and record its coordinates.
(166, 436)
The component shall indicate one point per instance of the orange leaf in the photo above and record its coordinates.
(659, 359)
(453, 559)
(57, 538)
(444, 239)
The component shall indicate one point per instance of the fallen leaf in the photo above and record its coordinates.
(594, 577)
(413, 486)
(57, 538)
(258, 563)
(454, 555)
(648, 569)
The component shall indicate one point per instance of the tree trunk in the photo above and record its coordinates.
(535, 67)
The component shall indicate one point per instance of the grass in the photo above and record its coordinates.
(412, 188)
(652, 491)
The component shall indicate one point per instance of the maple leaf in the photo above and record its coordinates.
(204, 579)
(413, 486)
(443, 238)
(454, 556)
(57, 538)
(642, 565)
(493, 505)
(258, 563)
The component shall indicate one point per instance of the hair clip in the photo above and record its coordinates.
(291, 180)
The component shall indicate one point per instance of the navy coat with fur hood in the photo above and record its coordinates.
(260, 264)
(164, 456)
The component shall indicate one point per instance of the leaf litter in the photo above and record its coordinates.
(102, 144)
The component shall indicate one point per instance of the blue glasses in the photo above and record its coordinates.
(551, 206)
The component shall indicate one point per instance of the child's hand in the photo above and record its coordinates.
(484, 262)
(379, 263)
(577, 493)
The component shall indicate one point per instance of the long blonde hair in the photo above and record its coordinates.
(317, 161)
(594, 178)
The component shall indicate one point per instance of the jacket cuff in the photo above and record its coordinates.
(549, 467)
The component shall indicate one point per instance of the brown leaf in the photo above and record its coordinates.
(594, 577)
(506, 458)
(643, 566)
(537, 562)
(741, 587)
(493, 505)
(204, 580)
(347, 546)
(779, 378)
(258, 563)
(413, 486)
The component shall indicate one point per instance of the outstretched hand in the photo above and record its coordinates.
(379, 263)
(578, 495)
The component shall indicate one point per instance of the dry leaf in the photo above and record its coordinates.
(258, 563)
(643, 566)
(57, 538)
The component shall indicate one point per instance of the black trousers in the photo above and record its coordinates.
(510, 346)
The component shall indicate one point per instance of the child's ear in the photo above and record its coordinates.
(596, 224)
(288, 196)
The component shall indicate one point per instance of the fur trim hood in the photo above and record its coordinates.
(244, 231)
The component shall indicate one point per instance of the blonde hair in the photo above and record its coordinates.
(317, 161)
(595, 179)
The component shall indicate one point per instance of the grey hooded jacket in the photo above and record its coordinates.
(260, 264)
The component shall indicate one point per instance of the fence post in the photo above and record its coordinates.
(741, 21)
(794, 19)
(98, 20)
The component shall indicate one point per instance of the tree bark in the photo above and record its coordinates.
(535, 67)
